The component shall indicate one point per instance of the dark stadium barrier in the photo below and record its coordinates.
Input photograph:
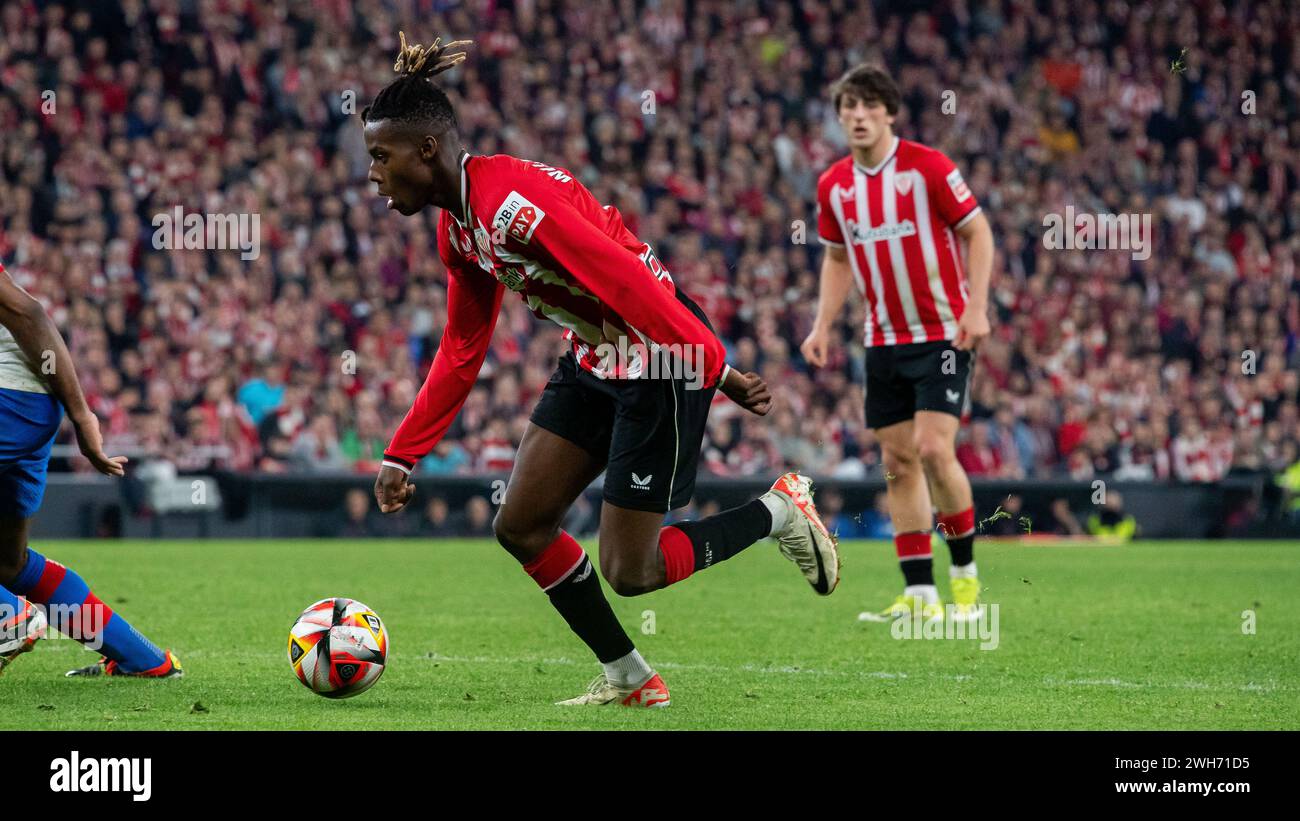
(314, 505)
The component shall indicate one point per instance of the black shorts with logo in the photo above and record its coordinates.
(903, 379)
(648, 431)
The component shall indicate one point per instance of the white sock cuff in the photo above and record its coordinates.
(966, 571)
(779, 505)
(927, 593)
(629, 671)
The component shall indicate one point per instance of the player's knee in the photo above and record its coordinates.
(522, 538)
(629, 580)
(900, 463)
(935, 453)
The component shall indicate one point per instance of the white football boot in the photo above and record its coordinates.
(805, 540)
(651, 693)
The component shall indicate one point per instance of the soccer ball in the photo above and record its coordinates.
(338, 647)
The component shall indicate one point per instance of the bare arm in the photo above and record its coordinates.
(40, 341)
(833, 291)
(974, 323)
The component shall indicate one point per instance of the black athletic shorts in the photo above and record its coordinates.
(648, 431)
(903, 379)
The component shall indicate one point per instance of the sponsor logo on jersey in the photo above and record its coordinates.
(864, 235)
(960, 191)
(511, 276)
(518, 217)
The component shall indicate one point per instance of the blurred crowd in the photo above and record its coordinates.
(707, 124)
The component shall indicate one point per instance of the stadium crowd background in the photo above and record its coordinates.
(707, 125)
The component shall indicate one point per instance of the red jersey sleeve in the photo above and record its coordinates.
(557, 235)
(949, 194)
(473, 302)
(828, 227)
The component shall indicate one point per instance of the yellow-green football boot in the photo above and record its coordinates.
(903, 608)
(966, 599)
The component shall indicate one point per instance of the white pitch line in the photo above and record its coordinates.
(1250, 687)
(873, 674)
(792, 670)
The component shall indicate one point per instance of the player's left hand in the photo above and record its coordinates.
(749, 391)
(971, 329)
(392, 490)
(91, 443)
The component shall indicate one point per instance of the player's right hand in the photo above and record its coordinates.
(816, 347)
(748, 390)
(91, 443)
(392, 491)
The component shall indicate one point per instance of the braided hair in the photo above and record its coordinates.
(412, 97)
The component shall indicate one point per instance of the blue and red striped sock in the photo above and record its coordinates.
(9, 603)
(77, 612)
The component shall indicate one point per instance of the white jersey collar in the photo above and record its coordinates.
(893, 149)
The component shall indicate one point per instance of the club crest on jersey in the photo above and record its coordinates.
(460, 240)
(483, 242)
(484, 255)
(903, 182)
(518, 217)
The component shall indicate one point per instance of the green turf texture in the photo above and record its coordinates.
(1144, 636)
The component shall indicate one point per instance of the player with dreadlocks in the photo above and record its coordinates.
(630, 398)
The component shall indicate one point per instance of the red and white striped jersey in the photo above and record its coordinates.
(535, 230)
(898, 222)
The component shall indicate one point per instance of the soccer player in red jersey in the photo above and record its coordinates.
(890, 215)
(512, 225)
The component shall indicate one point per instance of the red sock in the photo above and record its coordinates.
(957, 525)
(913, 545)
(679, 554)
(554, 564)
(565, 573)
(914, 557)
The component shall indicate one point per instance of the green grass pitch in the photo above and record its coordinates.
(1143, 636)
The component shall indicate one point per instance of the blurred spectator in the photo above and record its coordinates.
(437, 522)
(357, 520)
(478, 518)
(977, 454)
(316, 447)
(1289, 481)
(876, 523)
(1064, 522)
(830, 504)
(1111, 521)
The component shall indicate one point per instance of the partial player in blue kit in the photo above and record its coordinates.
(37, 384)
